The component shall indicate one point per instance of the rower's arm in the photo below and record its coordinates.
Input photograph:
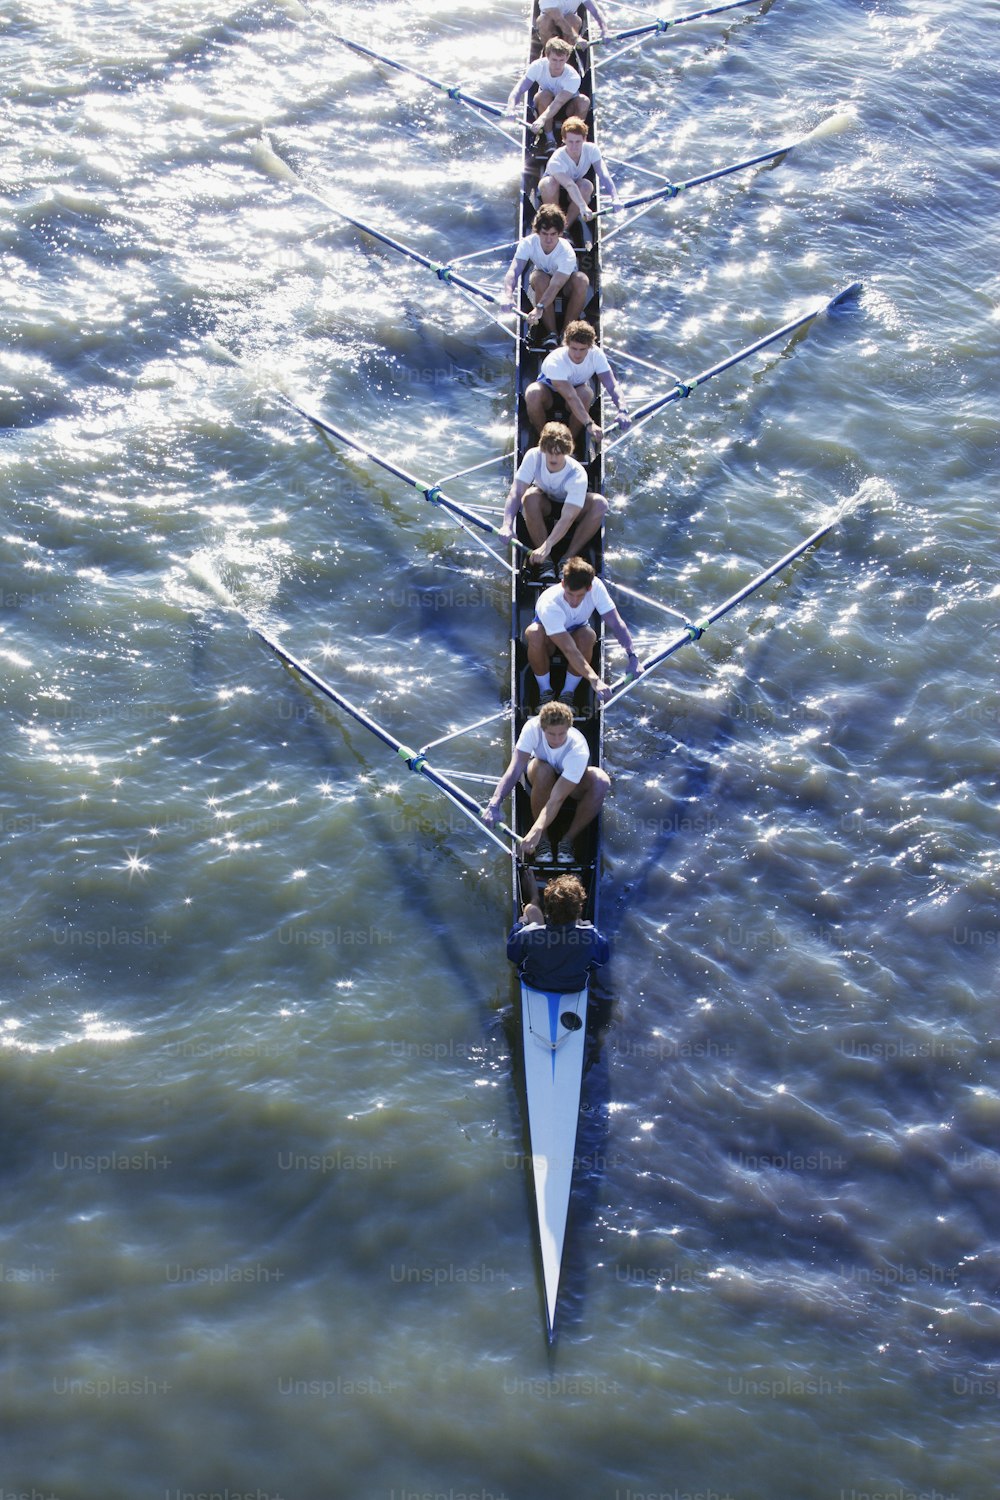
(557, 280)
(576, 662)
(542, 121)
(506, 785)
(550, 811)
(592, 7)
(623, 636)
(571, 189)
(572, 400)
(516, 94)
(569, 517)
(512, 280)
(606, 180)
(511, 507)
(610, 384)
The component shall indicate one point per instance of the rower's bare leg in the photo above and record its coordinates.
(532, 908)
(587, 396)
(550, 193)
(588, 524)
(543, 778)
(538, 404)
(536, 511)
(594, 788)
(537, 644)
(542, 101)
(539, 284)
(576, 295)
(554, 24)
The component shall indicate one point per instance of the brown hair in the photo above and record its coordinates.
(557, 46)
(574, 126)
(563, 899)
(555, 715)
(550, 216)
(577, 572)
(579, 332)
(556, 438)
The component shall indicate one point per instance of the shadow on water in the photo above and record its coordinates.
(314, 720)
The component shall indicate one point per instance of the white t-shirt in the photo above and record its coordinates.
(570, 759)
(568, 81)
(559, 366)
(558, 615)
(568, 484)
(561, 164)
(562, 259)
(564, 7)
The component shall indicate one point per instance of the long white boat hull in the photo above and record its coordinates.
(554, 1031)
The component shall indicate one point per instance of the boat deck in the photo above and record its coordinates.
(525, 588)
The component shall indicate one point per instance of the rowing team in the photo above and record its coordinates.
(550, 488)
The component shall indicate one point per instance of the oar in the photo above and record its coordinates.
(684, 388)
(696, 631)
(435, 83)
(673, 188)
(269, 161)
(658, 27)
(412, 759)
(832, 125)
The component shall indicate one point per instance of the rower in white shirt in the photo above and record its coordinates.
(554, 273)
(562, 616)
(568, 372)
(567, 172)
(555, 757)
(556, 85)
(550, 481)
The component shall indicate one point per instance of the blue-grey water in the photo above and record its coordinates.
(266, 1227)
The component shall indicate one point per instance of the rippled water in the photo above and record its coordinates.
(267, 1224)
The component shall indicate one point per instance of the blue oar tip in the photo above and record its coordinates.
(848, 293)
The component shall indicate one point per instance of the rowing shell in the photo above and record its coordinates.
(552, 1049)
(555, 1030)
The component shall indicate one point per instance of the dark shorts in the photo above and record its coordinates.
(570, 629)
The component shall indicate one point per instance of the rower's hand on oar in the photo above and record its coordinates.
(596, 432)
(530, 842)
(490, 815)
(602, 690)
(634, 665)
(537, 557)
(623, 419)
